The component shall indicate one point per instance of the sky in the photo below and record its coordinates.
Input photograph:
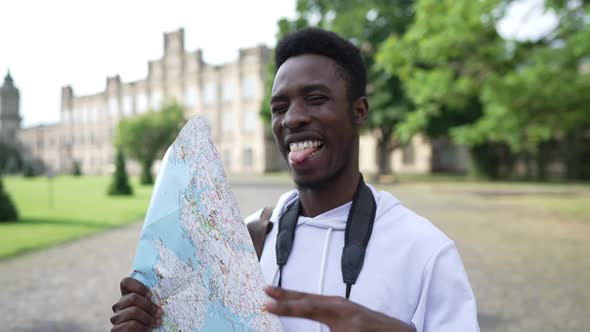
(49, 44)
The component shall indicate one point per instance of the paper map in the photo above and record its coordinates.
(195, 253)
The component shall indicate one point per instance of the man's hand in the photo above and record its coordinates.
(135, 310)
(338, 313)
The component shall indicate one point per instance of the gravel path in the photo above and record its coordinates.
(528, 274)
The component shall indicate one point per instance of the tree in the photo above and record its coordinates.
(8, 211)
(367, 24)
(120, 184)
(29, 170)
(11, 160)
(146, 136)
(481, 89)
(76, 168)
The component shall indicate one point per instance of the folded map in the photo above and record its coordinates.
(195, 253)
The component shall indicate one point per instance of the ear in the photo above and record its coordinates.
(360, 111)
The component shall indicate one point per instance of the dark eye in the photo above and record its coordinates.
(279, 108)
(316, 99)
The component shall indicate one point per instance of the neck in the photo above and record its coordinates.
(339, 192)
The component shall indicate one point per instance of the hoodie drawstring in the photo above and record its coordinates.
(323, 265)
(323, 268)
(274, 281)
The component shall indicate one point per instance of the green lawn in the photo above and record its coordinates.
(80, 207)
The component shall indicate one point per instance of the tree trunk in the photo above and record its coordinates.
(146, 172)
(529, 164)
(572, 152)
(384, 153)
(543, 159)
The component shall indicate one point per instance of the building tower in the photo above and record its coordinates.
(9, 110)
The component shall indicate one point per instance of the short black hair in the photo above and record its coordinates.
(328, 44)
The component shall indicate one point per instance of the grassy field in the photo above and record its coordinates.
(79, 207)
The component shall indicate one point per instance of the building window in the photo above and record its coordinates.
(127, 105)
(98, 111)
(75, 116)
(247, 157)
(210, 94)
(141, 103)
(227, 122)
(190, 96)
(86, 115)
(156, 100)
(67, 116)
(408, 154)
(249, 121)
(113, 107)
(226, 158)
(248, 88)
(228, 91)
(93, 113)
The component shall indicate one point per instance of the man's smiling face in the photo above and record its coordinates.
(312, 120)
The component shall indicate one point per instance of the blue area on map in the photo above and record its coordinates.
(173, 236)
(219, 318)
(165, 197)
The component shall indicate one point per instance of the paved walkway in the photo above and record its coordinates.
(528, 275)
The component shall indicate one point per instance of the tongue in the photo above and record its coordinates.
(299, 156)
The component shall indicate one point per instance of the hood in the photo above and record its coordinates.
(334, 218)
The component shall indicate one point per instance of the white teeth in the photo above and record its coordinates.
(304, 145)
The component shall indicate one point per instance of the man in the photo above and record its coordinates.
(412, 277)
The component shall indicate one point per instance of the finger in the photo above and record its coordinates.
(130, 326)
(324, 309)
(130, 285)
(283, 294)
(304, 308)
(135, 314)
(136, 300)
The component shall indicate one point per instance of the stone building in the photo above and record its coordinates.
(9, 110)
(228, 96)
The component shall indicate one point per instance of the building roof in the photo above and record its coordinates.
(8, 86)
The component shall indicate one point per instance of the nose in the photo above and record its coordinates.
(296, 116)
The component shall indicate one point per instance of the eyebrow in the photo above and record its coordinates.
(305, 89)
(312, 87)
(278, 98)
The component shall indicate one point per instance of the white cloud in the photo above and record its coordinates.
(527, 20)
(48, 44)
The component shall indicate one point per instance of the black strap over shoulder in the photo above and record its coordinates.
(286, 235)
(359, 227)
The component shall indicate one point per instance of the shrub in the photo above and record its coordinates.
(29, 170)
(76, 168)
(120, 184)
(7, 209)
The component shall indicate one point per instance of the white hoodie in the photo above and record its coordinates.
(412, 271)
